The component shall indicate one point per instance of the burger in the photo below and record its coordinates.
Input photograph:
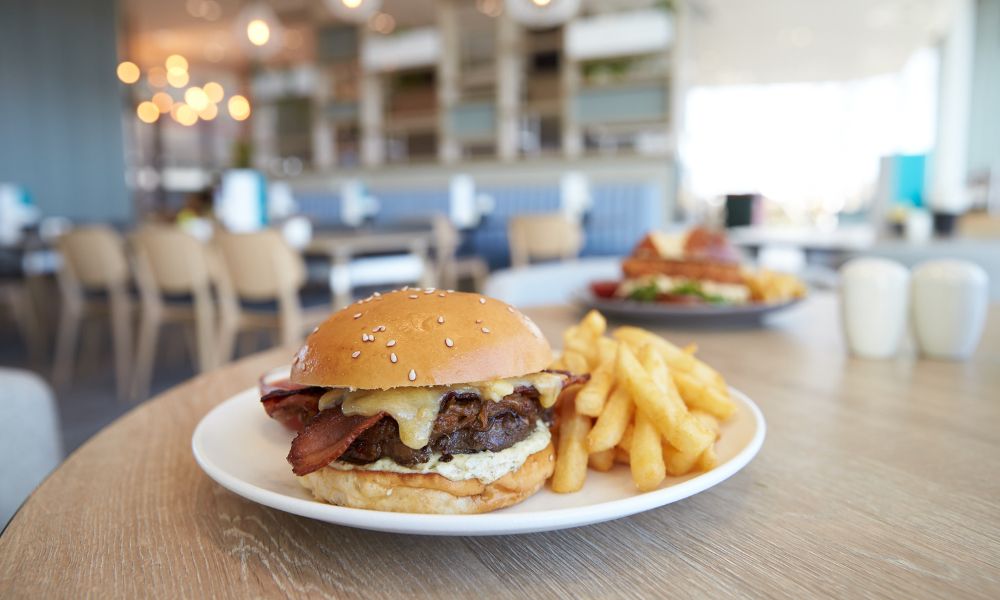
(698, 266)
(422, 401)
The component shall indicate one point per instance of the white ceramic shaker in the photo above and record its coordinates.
(950, 299)
(874, 295)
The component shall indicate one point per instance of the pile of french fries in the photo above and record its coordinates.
(771, 287)
(648, 403)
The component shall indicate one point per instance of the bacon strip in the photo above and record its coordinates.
(326, 437)
(290, 404)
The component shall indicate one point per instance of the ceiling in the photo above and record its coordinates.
(725, 41)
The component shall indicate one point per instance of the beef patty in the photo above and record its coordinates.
(465, 424)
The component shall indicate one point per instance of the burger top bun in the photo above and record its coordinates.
(421, 337)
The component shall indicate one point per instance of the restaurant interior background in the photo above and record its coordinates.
(440, 142)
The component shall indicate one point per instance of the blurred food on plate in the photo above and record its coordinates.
(697, 266)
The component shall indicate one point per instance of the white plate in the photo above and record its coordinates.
(713, 315)
(244, 450)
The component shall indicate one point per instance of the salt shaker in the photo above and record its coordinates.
(874, 295)
(950, 299)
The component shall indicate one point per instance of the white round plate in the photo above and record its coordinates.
(244, 450)
(714, 315)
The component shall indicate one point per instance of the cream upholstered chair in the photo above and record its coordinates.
(543, 236)
(29, 437)
(451, 268)
(169, 262)
(93, 261)
(262, 267)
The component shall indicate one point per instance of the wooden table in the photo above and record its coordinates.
(877, 478)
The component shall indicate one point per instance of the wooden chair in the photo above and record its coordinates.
(169, 262)
(548, 236)
(262, 267)
(93, 261)
(451, 268)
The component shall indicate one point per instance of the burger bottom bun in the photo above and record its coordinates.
(429, 493)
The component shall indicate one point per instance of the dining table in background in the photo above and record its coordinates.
(340, 246)
(877, 478)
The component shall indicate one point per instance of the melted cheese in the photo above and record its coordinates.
(415, 408)
(487, 467)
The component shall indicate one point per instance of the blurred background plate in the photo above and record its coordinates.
(693, 315)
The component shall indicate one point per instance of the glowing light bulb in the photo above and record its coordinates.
(163, 102)
(214, 91)
(196, 98)
(178, 78)
(258, 32)
(209, 112)
(542, 2)
(239, 107)
(176, 62)
(351, 3)
(184, 114)
(128, 72)
(157, 76)
(147, 112)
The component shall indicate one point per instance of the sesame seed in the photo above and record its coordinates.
(441, 319)
(379, 328)
(486, 329)
(356, 354)
(404, 288)
(315, 329)
(392, 357)
(377, 294)
(448, 342)
(482, 300)
(412, 375)
(357, 315)
(413, 296)
(510, 309)
(441, 294)
(479, 321)
(364, 337)
(451, 291)
(429, 291)
(390, 343)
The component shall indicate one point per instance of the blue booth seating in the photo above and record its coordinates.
(622, 212)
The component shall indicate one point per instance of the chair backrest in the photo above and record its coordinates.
(543, 236)
(29, 437)
(95, 256)
(177, 261)
(261, 265)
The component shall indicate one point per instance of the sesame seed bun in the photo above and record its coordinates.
(421, 337)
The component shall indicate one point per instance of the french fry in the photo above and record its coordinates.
(571, 459)
(594, 323)
(708, 460)
(591, 399)
(682, 463)
(578, 339)
(621, 455)
(575, 362)
(677, 359)
(626, 441)
(698, 395)
(603, 460)
(610, 425)
(663, 407)
(646, 455)
(606, 349)
(678, 463)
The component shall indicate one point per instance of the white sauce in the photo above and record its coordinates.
(487, 467)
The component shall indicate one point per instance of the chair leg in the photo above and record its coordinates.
(203, 325)
(149, 330)
(121, 331)
(69, 331)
